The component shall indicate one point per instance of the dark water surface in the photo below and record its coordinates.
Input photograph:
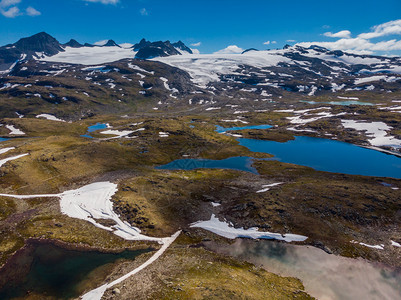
(241, 163)
(51, 271)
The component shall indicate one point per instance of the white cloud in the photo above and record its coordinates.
(232, 49)
(12, 12)
(269, 42)
(8, 3)
(290, 41)
(362, 43)
(30, 11)
(341, 34)
(358, 45)
(104, 1)
(195, 51)
(9, 9)
(143, 12)
(196, 44)
(389, 28)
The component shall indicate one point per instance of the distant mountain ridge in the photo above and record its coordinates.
(42, 45)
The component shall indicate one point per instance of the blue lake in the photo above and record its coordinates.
(320, 154)
(329, 155)
(221, 129)
(241, 163)
(350, 102)
(97, 126)
(3, 139)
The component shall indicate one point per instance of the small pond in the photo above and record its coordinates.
(345, 103)
(241, 163)
(221, 129)
(97, 126)
(51, 271)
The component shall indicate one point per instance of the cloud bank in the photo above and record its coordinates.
(10, 9)
(362, 43)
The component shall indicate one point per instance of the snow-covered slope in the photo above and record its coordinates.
(91, 55)
(205, 68)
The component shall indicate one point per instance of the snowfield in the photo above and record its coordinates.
(376, 131)
(14, 131)
(92, 202)
(267, 187)
(3, 161)
(205, 68)
(49, 117)
(224, 229)
(91, 55)
(4, 150)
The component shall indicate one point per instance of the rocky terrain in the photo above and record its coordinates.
(157, 103)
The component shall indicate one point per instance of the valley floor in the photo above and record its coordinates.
(344, 214)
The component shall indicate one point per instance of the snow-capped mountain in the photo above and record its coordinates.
(147, 50)
(44, 46)
(36, 46)
(41, 72)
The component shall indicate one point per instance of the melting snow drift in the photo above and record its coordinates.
(224, 229)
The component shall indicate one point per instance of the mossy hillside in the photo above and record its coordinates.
(160, 202)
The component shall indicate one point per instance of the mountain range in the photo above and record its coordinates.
(38, 74)
(43, 45)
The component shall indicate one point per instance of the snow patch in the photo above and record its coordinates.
(376, 131)
(224, 229)
(267, 187)
(3, 161)
(49, 117)
(14, 131)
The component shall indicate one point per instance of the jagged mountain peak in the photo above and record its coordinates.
(147, 50)
(143, 43)
(73, 43)
(181, 46)
(111, 43)
(40, 42)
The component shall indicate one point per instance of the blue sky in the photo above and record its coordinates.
(214, 24)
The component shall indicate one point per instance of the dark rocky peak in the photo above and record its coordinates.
(143, 43)
(73, 43)
(337, 53)
(111, 43)
(249, 50)
(318, 48)
(88, 45)
(180, 45)
(157, 49)
(40, 42)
